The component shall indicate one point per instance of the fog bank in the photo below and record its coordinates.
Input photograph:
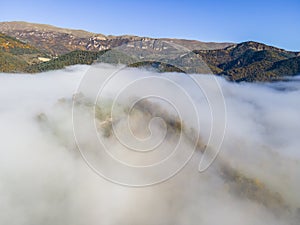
(44, 179)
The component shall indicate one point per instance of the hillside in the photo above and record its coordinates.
(10, 63)
(72, 58)
(89, 57)
(251, 61)
(15, 55)
(14, 46)
(288, 67)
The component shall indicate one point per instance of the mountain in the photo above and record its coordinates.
(35, 48)
(51, 39)
(251, 61)
(57, 41)
(248, 61)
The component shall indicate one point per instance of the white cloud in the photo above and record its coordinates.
(43, 179)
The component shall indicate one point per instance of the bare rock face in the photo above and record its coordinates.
(57, 41)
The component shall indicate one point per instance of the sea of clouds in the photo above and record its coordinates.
(45, 180)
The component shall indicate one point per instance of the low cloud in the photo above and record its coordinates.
(254, 180)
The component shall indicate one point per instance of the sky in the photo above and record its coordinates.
(271, 21)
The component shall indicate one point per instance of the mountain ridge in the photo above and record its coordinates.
(66, 40)
(32, 48)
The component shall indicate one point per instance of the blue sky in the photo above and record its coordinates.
(271, 21)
